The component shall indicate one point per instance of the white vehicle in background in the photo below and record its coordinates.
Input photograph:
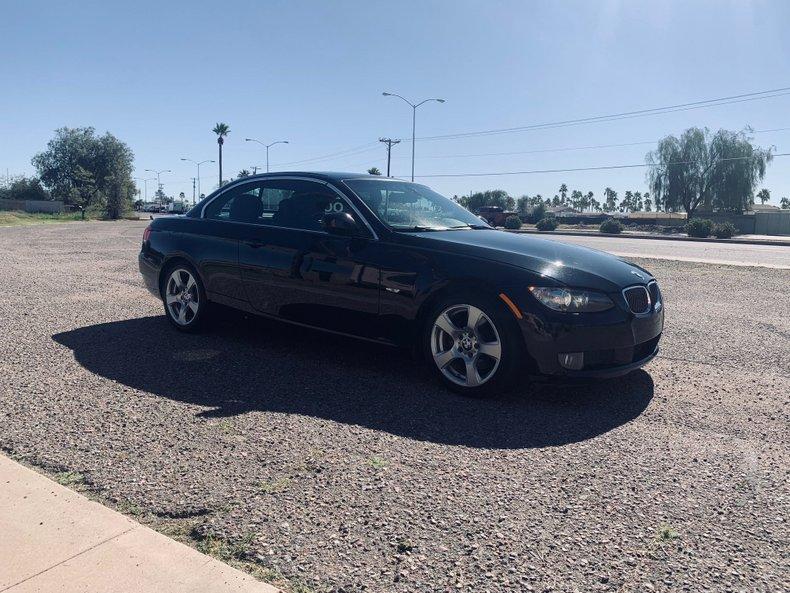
(177, 207)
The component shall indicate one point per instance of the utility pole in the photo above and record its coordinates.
(389, 142)
(194, 181)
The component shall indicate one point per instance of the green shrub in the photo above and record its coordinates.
(611, 226)
(512, 222)
(725, 230)
(699, 227)
(547, 224)
(538, 212)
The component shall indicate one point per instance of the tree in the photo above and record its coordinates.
(627, 203)
(374, 171)
(120, 193)
(610, 205)
(576, 199)
(221, 130)
(590, 201)
(563, 194)
(716, 172)
(243, 173)
(24, 188)
(87, 170)
(491, 197)
(648, 203)
(784, 203)
(764, 195)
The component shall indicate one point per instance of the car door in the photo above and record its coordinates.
(294, 269)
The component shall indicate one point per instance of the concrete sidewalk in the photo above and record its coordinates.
(53, 539)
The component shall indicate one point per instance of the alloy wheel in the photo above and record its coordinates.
(182, 297)
(465, 345)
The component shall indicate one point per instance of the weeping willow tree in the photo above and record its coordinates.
(718, 172)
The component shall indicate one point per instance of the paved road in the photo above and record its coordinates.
(767, 256)
(343, 466)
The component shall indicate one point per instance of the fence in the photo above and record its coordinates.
(53, 206)
(772, 223)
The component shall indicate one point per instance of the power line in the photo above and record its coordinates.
(575, 169)
(732, 99)
(756, 96)
(342, 153)
(567, 148)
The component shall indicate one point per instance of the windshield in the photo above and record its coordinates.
(412, 207)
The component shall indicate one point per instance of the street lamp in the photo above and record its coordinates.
(198, 173)
(145, 184)
(413, 121)
(267, 147)
(158, 182)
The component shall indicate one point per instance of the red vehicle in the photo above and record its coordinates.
(495, 215)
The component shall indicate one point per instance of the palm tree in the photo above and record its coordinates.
(374, 171)
(764, 195)
(221, 130)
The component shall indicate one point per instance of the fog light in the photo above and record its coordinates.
(573, 361)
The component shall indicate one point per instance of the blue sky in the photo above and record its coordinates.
(159, 75)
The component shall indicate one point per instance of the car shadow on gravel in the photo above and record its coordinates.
(243, 363)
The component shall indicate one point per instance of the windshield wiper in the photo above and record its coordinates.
(416, 228)
(471, 226)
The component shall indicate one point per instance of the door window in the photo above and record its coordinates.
(238, 204)
(288, 203)
(300, 204)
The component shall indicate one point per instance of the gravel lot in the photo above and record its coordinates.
(331, 465)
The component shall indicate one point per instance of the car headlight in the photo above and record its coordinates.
(571, 300)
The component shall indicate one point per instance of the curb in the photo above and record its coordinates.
(780, 243)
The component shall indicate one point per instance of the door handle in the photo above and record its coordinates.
(255, 244)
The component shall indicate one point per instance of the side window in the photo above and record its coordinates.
(300, 204)
(239, 204)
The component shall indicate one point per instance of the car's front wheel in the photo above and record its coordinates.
(473, 346)
(184, 297)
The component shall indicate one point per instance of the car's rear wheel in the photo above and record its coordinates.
(184, 297)
(472, 345)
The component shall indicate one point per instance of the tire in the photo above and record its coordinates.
(480, 360)
(184, 297)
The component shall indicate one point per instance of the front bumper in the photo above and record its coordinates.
(612, 343)
(608, 372)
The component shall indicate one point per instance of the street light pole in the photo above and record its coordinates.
(145, 185)
(158, 182)
(267, 147)
(414, 107)
(198, 172)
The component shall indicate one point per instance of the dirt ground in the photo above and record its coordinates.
(324, 464)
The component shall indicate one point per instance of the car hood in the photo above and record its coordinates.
(570, 265)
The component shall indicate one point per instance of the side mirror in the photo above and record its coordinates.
(340, 223)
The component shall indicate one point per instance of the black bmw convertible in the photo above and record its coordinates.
(395, 262)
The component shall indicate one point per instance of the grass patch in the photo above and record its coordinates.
(18, 218)
(666, 533)
(377, 462)
(127, 507)
(225, 426)
(275, 486)
(70, 479)
(238, 555)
